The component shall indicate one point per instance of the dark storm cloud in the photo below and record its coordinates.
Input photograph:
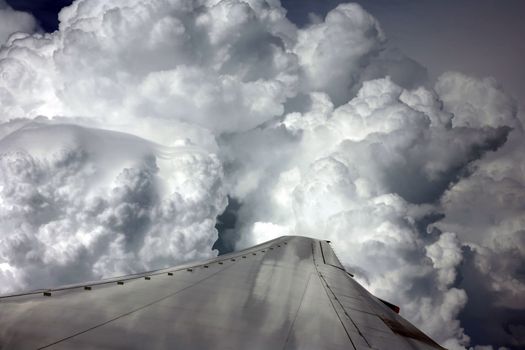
(225, 226)
(489, 322)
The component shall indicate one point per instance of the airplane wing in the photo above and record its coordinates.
(288, 293)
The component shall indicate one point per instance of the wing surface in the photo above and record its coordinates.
(288, 293)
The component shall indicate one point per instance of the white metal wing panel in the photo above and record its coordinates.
(281, 294)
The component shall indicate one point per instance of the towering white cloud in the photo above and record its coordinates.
(155, 112)
(215, 65)
(364, 175)
(79, 203)
(334, 52)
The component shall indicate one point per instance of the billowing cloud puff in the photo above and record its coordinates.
(486, 210)
(334, 52)
(476, 102)
(12, 21)
(123, 134)
(366, 175)
(213, 64)
(79, 203)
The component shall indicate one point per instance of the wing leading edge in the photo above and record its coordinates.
(288, 293)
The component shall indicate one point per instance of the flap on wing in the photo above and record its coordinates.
(391, 306)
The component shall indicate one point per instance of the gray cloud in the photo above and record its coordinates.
(12, 22)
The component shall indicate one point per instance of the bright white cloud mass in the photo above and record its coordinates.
(123, 134)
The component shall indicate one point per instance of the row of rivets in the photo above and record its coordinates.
(48, 293)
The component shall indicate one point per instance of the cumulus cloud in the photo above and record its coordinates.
(477, 102)
(486, 210)
(124, 133)
(364, 175)
(79, 203)
(211, 64)
(12, 22)
(334, 52)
